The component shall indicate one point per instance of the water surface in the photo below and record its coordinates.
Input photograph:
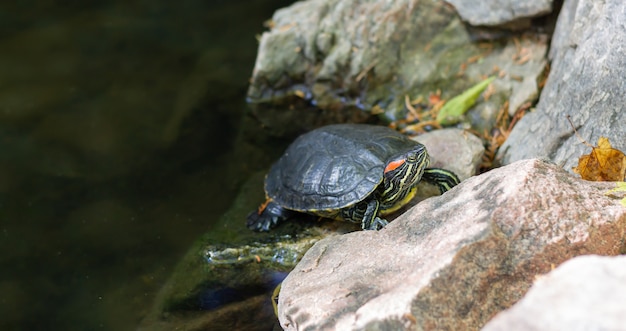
(117, 122)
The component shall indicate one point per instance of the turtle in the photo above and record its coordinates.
(350, 172)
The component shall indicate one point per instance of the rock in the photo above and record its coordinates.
(500, 12)
(586, 82)
(585, 293)
(348, 56)
(453, 149)
(456, 150)
(454, 261)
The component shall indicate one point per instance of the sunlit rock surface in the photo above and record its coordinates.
(452, 262)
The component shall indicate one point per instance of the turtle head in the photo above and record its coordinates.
(403, 171)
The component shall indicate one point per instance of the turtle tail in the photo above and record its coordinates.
(268, 216)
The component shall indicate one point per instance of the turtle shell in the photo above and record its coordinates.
(333, 167)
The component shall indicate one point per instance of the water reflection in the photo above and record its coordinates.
(117, 121)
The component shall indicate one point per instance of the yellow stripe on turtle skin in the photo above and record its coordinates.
(333, 214)
(400, 203)
(275, 295)
(444, 179)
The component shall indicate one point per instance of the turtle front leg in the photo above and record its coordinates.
(444, 179)
(365, 213)
(370, 220)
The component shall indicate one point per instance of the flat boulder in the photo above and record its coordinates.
(454, 261)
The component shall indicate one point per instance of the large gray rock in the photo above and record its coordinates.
(587, 82)
(585, 293)
(453, 261)
(499, 12)
(350, 56)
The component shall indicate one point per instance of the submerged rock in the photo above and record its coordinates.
(232, 271)
(454, 261)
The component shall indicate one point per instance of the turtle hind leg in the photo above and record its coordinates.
(444, 179)
(268, 216)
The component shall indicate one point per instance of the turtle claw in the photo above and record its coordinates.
(256, 222)
(376, 224)
(267, 217)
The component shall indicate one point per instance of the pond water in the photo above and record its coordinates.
(116, 124)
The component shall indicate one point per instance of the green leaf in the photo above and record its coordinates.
(452, 111)
(620, 187)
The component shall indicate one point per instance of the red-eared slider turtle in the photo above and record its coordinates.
(351, 172)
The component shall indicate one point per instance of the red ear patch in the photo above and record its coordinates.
(394, 165)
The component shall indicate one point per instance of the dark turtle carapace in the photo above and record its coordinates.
(351, 172)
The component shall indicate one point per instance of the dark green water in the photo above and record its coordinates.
(116, 124)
